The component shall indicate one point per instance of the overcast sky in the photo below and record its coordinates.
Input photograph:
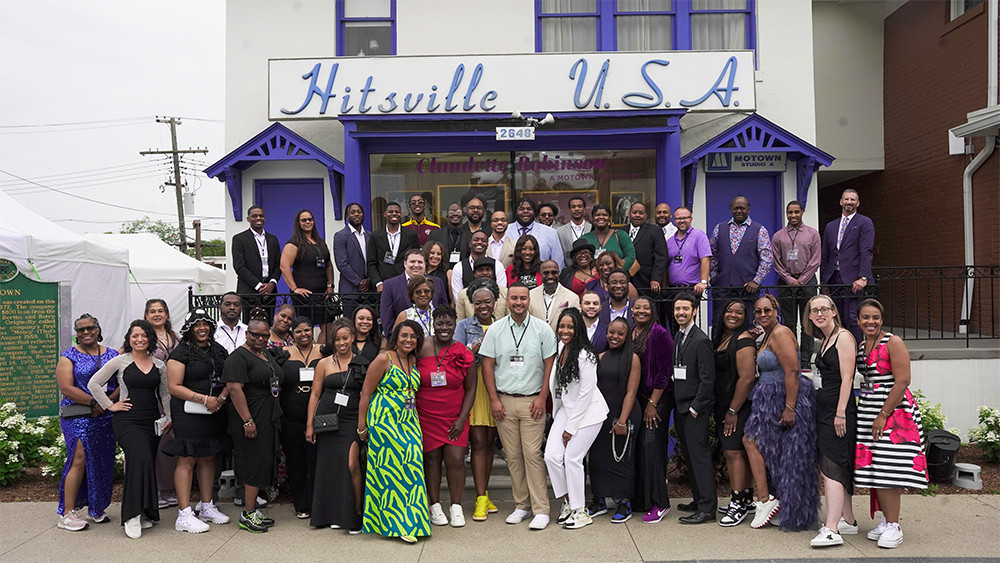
(80, 86)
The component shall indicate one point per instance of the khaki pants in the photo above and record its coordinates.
(522, 440)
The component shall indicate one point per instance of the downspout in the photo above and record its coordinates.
(991, 141)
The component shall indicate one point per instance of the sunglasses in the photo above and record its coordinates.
(258, 334)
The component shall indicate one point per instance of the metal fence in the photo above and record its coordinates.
(922, 303)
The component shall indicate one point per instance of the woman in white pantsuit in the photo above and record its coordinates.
(579, 411)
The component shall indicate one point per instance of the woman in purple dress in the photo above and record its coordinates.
(90, 443)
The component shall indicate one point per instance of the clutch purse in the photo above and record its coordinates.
(326, 423)
(159, 424)
(74, 410)
(194, 407)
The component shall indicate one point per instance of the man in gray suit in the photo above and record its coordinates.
(576, 228)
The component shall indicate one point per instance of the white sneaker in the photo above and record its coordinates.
(188, 522)
(826, 537)
(765, 511)
(875, 534)
(208, 512)
(539, 522)
(457, 516)
(517, 516)
(437, 515)
(72, 522)
(145, 523)
(564, 513)
(133, 528)
(891, 537)
(845, 528)
(578, 519)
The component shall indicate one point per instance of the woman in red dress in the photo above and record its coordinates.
(447, 392)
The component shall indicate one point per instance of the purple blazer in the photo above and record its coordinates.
(658, 362)
(600, 339)
(395, 300)
(855, 253)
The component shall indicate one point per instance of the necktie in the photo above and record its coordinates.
(843, 229)
(632, 232)
(525, 230)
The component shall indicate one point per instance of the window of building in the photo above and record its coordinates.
(617, 178)
(366, 27)
(959, 7)
(576, 26)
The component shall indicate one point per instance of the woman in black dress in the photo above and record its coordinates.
(300, 455)
(365, 344)
(836, 418)
(142, 381)
(338, 496)
(612, 455)
(254, 379)
(308, 270)
(734, 377)
(194, 377)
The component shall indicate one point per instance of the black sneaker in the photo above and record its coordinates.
(623, 513)
(250, 521)
(736, 498)
(264, 520)
(736, 513)
(598, 507)
(748, 501)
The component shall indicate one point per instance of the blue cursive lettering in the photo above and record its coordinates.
(730, 68)
(597, 91)
(406, 102)
(363, 106)
(652, 100)
(391, 98)
(326, 95)
(455, 82)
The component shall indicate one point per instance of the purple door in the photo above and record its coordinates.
(764, 193)
(282, 199)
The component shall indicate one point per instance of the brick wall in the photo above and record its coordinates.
(934, 74)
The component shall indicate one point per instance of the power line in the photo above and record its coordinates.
(27, 190)
(124, 119)
(2, 171)
(94, 171)
(71, 129)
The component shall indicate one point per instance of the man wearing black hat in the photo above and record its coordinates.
(464, 270)
(485, 267)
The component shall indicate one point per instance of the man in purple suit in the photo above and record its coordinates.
(847, 258)
(350, 246)
(394, 297)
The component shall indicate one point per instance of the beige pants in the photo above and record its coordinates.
(522, 440)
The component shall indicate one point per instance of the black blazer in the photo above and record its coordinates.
(378, 245)
(443, 235)
(697, 389)
(651, 253)
(247, 263)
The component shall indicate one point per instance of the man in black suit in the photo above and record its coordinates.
(256, 258)
(650, 249)
(694, 395)
(452, 235)
(387, 246)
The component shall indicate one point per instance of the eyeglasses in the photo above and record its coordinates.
(416, 202)
(676, 218)
(422, 291)
(258, 334)
(820, 310)
(82, 329)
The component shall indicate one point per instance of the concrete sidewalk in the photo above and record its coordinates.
(935, 527)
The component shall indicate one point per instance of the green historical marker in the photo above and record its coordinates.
(29, 342)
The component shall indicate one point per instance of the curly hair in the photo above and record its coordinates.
(171, 335)
(569, 371)
(639, 342)
(150, 336)
(482, 283)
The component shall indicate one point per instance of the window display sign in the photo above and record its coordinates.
(494, 84)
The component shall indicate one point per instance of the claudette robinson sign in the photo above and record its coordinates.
(503, 84)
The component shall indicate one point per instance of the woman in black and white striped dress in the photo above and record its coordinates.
(889, 455)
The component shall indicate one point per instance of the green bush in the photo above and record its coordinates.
(987, 434)
(20, 440)
(931, 416)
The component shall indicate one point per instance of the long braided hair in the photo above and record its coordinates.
(569, 371)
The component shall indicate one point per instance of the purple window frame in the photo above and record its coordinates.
(342, 19)
(607, 31)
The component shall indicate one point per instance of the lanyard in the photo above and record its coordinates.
(261, 245)
(420, 319)
(680, 242)
(517, 341)
(306, 356)
(230, 337)
(393, 241)
(797, 232)
(440, 357)
(409, 387)
(549, 300)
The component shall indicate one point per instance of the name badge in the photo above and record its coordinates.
(306, 374)
(558, 393)
(341, 399)
(678, 259)
(517, 361)
(320, 261)
(438, 379)
(455, 257)
(793, 254)
(680, 373)
(411, 403)
(389, 258)
(598, 252)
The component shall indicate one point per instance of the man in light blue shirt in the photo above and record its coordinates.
(517, 354)
(548, 240)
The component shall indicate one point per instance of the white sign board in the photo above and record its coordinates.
(504, 84)
(746, 162)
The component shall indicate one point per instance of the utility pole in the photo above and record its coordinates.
(174, 122)
(197, 239)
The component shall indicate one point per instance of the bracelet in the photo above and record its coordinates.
(620, 425)
(223, 398)
(789, 407)
(204, 400)
(840, 416)
(248, 422)
(731, 411)
(362, 432)
(652, 402)
(882, 412)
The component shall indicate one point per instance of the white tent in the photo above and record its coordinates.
(162, 272)
(46, 252)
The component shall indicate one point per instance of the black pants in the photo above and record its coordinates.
(651, 459)
(792, 300)
(693, 433)
(300, 457)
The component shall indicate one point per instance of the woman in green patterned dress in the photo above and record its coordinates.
(395, 493)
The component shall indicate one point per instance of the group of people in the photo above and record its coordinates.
(479, 335)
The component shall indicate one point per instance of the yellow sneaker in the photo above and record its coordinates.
(490, 507)
(482, 507)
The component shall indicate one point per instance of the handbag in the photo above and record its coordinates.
(74, 410)
(194, 407)
(326, 423)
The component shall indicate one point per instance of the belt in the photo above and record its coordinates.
(516, 394)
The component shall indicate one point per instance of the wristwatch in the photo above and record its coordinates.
(864, 278)
(704, 281)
